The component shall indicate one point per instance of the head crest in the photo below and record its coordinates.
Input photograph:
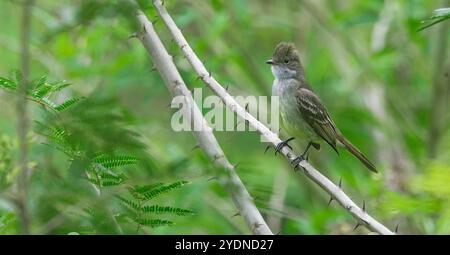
(285, 50)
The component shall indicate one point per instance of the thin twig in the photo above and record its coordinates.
(362, 217)
(205, 138)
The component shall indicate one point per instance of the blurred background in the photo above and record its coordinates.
(385, 83)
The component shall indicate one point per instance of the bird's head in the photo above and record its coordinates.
(285, 61)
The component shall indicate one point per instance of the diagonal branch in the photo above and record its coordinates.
(336, 192)
(205, 137)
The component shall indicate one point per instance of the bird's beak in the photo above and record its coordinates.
(270, 62)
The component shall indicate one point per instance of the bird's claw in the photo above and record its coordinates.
(282, 144)
(296, 162)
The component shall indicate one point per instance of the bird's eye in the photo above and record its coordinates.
(286, 61)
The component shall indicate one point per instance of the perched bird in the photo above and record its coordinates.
(302, 113)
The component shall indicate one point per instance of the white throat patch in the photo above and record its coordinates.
(281, 72)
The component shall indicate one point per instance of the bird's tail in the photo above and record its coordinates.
(357, 153)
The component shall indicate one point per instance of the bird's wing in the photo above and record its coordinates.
(317, 117)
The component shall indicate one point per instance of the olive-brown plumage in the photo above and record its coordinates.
(303, 114)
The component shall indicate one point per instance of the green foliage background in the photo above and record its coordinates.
(123, 112)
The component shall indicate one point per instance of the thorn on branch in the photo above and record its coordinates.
(218, 156)
(396, 229)
(357, 225)
(184, 45)
(340, 183)
(226, 88)
(331, 200)
(267, 148)
(278, 233)
(364, 206)
(195, 147)
(154, 21)
(246, 107)
(235, 165)
(199, 77)
(133, 35)
(256, 225)
(236, 214)
(213, 178)
(153, 68)
(144, 28)
(237, 123)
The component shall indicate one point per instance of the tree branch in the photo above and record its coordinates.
(336, 192)
(205, 138)
(23, 121)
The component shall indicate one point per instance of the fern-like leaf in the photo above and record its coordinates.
(157, 209)
(55, 134)
(59, 85)
(110, 183)
(128, 203)
(108, 179)
(145, 193)
(115, 161)
(7, 84)
(42, 91)
(40, 82)
(68, 104)
(154, 222)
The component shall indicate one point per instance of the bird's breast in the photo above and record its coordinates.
(291, 117)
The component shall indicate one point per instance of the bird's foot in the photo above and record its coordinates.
(296, 162)
(282, 144)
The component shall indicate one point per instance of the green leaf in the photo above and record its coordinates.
(157, 209)
(42, 91)
(107, 179)
(130, 204)
(146, 193)
(45, 88)
(55, 134)
(8, 84)
(59, 85)
(154, 222)
(68, 103)
(115, 161)
(40, 82)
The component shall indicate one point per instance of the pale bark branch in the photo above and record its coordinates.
(336, 192)
(205, 138)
